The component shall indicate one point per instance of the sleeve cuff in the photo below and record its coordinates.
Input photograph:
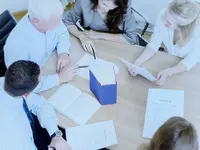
(52, 128)
(188, 66)
(153, 47)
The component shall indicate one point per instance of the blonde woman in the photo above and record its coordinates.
(178, 28)
(176, 134)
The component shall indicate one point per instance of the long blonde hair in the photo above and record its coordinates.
(186, 11)
(176, 134)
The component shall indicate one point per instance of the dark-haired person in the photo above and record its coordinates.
(107, 19)
(18, 105)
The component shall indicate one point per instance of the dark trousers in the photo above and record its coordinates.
(42, 138)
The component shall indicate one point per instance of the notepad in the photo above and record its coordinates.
(75, 104)
(92, 136)
(141, 71)
(89, 60)
(105, 75)
(162, 105)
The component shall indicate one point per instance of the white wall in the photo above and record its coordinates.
(13, 5)
(150, 8)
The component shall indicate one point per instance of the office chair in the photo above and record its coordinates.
(142, 41)
(7, 23)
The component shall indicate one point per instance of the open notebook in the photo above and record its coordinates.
(88, 60)
(93, 136)
(75, 104)
(162, 105)
(141, 71)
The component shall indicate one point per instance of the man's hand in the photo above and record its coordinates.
(63, 61)
(59, 144)
(163, 76)
(67, 74)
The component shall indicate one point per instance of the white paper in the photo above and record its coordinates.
(88, 60)
(141, 71)
(83, 109)
(105, 75)
(74, 104)
(93, 136)
(64, 97)
(162, 105)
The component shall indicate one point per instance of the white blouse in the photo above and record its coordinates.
(190, 52)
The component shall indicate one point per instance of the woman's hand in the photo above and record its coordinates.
(87, 44)
(94, 35)
(163, 76)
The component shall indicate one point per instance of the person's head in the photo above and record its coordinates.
(183, 16)
(45, 14)
(21, 78)
(114, 10)
(176, 134)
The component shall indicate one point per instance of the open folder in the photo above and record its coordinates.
(75, 104)
(92, 136)
(103, 84)
(141, 71)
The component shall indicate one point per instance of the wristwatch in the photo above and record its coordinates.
(58, 133)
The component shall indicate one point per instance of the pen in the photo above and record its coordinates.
(52, 147)
(80, 67)
(93, 53)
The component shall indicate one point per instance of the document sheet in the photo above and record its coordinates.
(162, 105)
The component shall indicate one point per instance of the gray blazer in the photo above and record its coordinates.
(83, 11)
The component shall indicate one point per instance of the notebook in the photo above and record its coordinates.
(88, 60)
(141, 71)
(105, 75)
(162, 105)
(93, 136)
(74, 104)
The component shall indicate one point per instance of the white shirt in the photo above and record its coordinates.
(190, 52)
(26, 43)
(16, 132)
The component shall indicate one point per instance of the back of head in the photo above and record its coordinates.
(43, 9)
(21, 77)
(176, 134)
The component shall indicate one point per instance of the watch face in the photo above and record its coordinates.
(59, 133)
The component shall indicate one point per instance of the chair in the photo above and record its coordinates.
(142, 41)
(7, 23)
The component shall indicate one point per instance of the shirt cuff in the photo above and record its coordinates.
(52, 128)
(153, 47)
(187, 64)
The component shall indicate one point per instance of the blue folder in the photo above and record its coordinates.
(105, 94)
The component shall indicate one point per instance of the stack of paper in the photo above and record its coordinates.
(141, 71)
(74, 104)
(162, 105)
(105, 75)
(92, 137)
(88, 60)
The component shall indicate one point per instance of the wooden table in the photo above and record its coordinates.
(129, 112)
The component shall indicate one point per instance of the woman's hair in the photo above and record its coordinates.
(115, 16)
(187, 13)
(176, 134)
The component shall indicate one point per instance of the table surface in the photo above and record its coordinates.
(129, 112)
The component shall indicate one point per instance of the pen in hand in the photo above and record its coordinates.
(94, 53)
